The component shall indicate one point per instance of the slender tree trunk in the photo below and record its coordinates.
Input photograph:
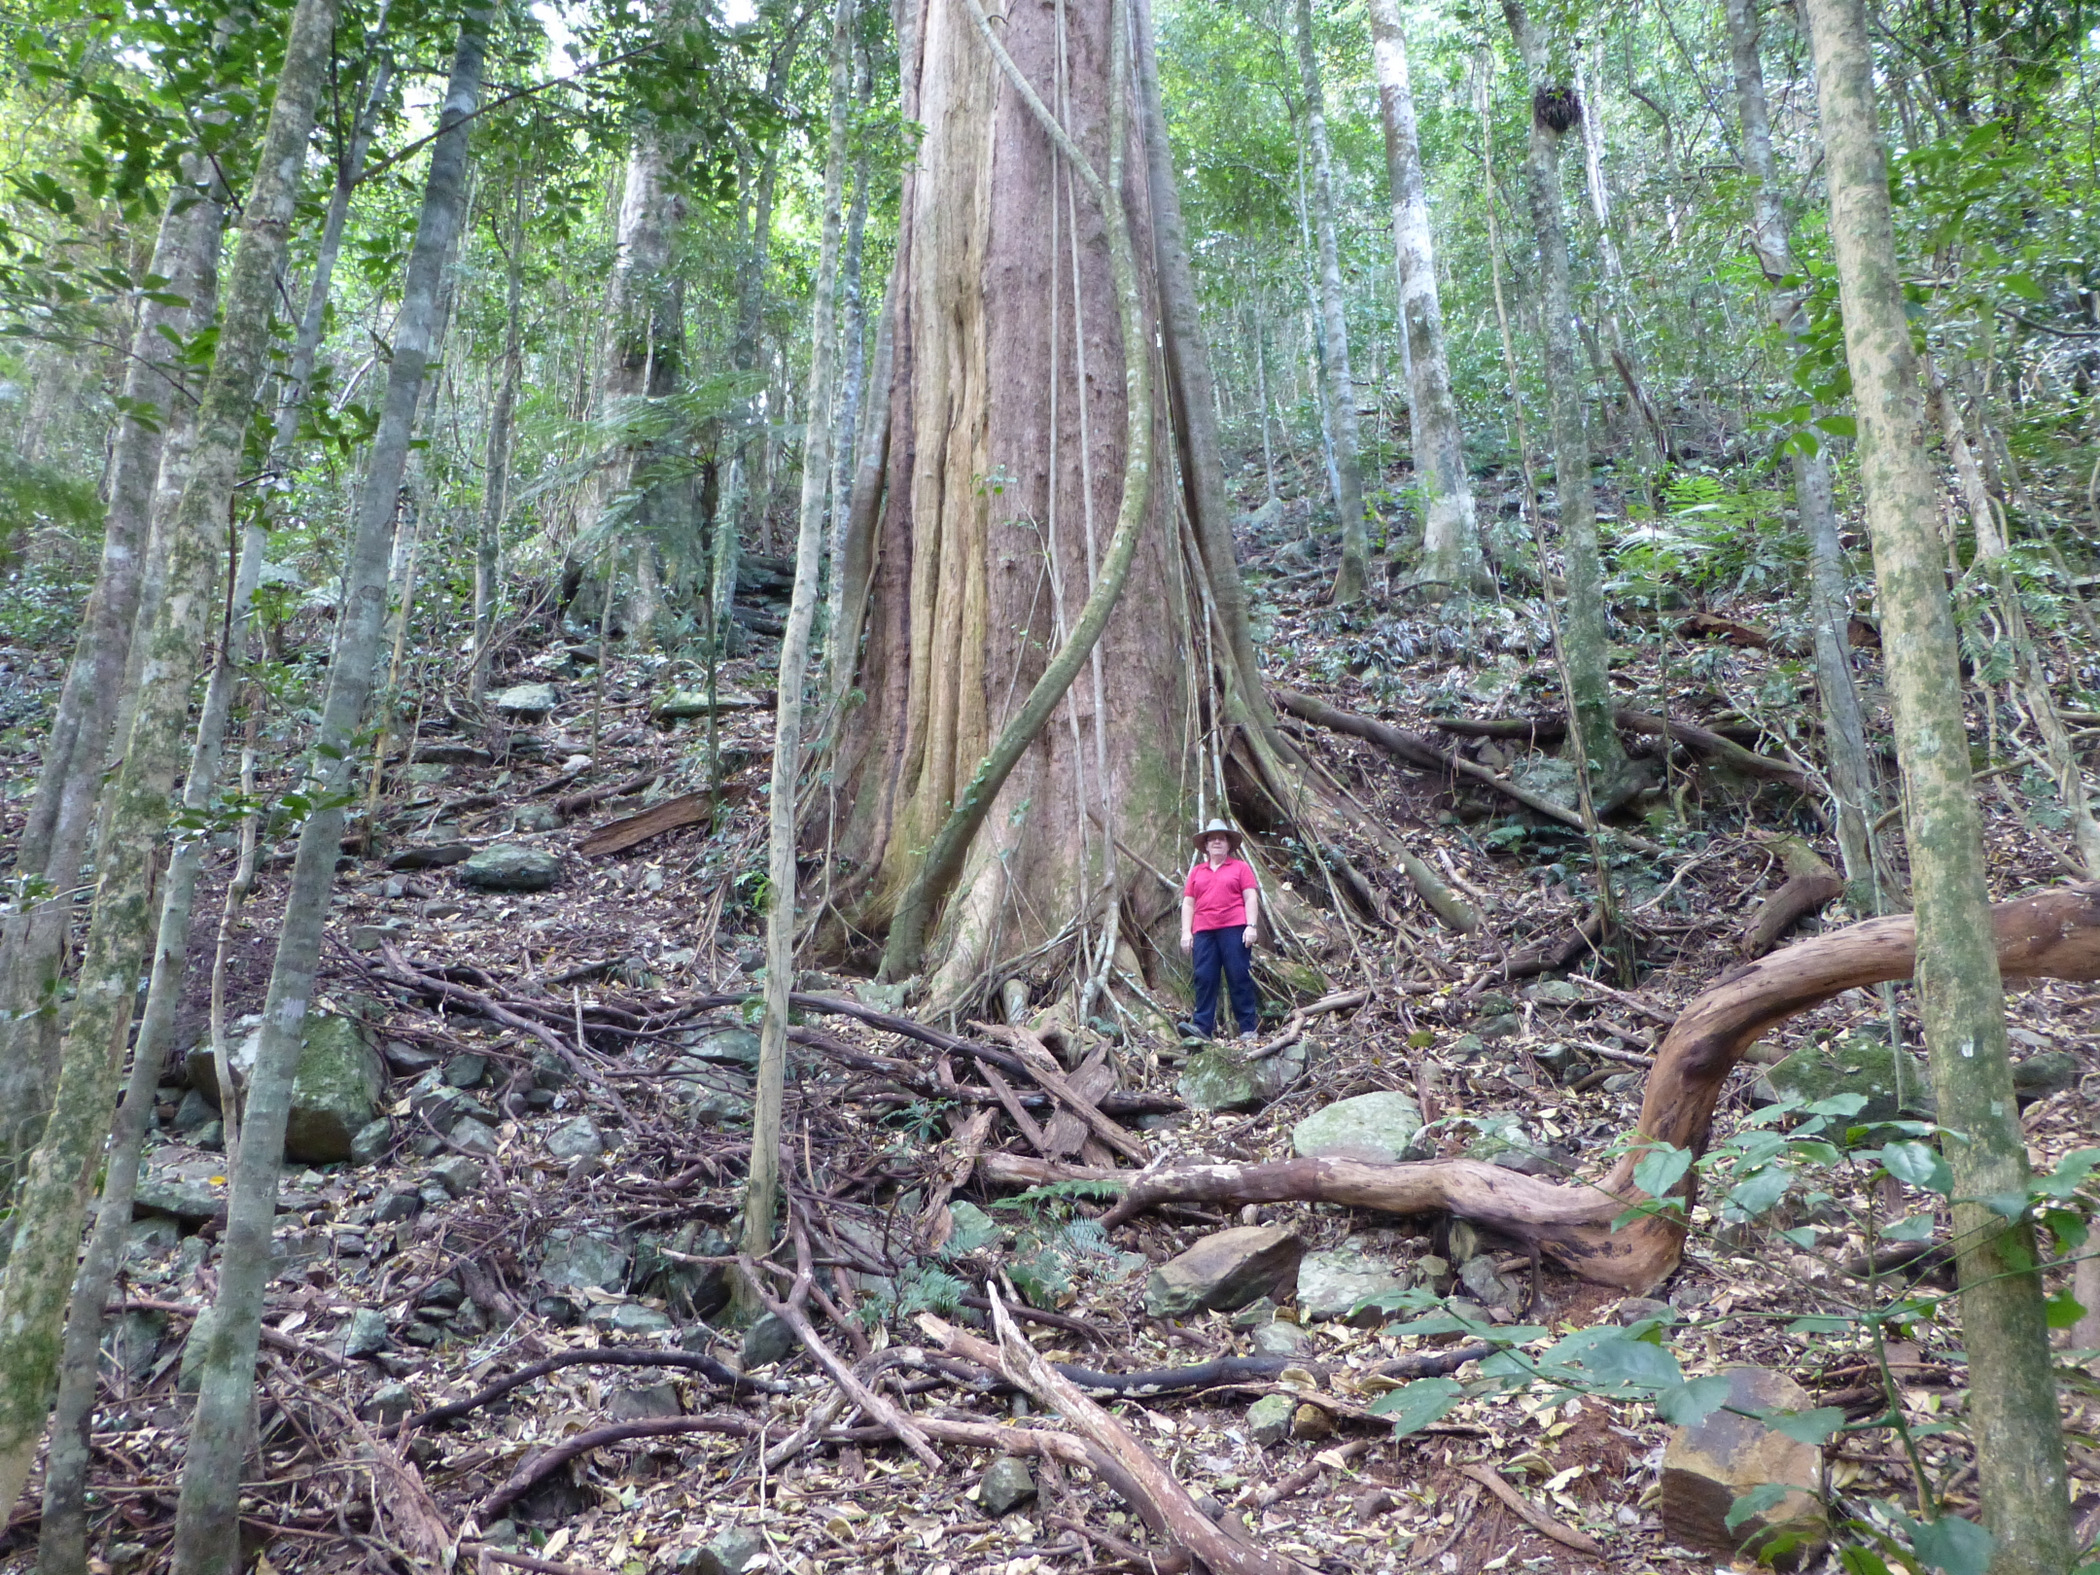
(1554, 109)
(1845, 736)
(488, 545)
(207, 1516)
(1450, 534)
(762, 1191)
(47, 1232)
(55, 838)
(1340, 387)
(1194, 403)
(856, 547)
(2012, 1388)
(852, 380)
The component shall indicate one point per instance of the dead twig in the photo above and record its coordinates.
(1530, 1513)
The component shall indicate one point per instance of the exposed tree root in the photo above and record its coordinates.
(2052, 936)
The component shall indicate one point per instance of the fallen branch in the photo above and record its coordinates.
(2052, 936)
(535, 1469)
(600, 1356)
(1810, 883)
(1530, 1513)
(1059, 1087)
(577, 803)
(1295, 1028)
(1184, 1522)
(1298, 1481)
(525, 1561)
(617, 836)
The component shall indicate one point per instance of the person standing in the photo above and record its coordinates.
(1219, 910)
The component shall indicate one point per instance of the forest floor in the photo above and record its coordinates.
(601, 1213)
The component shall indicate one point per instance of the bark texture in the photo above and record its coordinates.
(1450, 556)
(1006, 453)
(2013, 1408)
(47, 1233)
(1583, 639)
(762, 1191)
(207, 1519)
(1845, 736)
(55, 838)
(1338, 384)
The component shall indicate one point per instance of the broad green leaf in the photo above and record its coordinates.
(1806, 1427)
(2012, 1205)
(1957, 1546)
(1690, 1403)
(1634, 1362)
(1416, 1405)
(2063, 1310)
(1762, 1190)
(1863, 1561)
(1918, 1227)
(1918, 1164)
(1661, 1168)
(1755, 1502)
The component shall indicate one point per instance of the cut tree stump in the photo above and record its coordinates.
(617, 836)
(2052, 936)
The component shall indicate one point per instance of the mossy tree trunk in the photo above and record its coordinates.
(207, 1519)
(1011, 437)
(1584, 645)
(1450, 535)
(2012, 1388)
(1338, 382)
(47, 1232)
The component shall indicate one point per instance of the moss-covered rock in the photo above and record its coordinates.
(1855, 1065)
(335, 1092)
(1223, 1078)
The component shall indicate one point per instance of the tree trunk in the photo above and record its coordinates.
(488, 543)
(762, 1191)
(2012, 1390)
(47, 1230)
(1584, 643)
(1450, 559)
(55, 838)
(1340, 387)
(983, 490)
(853, 376)
(1845, 738)
(207, 1517)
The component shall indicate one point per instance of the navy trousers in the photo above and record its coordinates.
(1224, 950)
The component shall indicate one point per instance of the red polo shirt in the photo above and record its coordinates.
(1221, 894)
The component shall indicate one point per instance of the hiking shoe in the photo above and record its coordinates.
(1191, 1031)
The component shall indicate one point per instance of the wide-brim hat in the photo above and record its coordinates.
(1218, 828)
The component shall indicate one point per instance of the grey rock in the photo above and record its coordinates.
(709, 1094)
(423, 1334)
(1225, 1271)
(131, 1340)
(1373, 1127)
(1222, 1078)
(506, 866)
(1331, 1284)
(187, 1202)
(1433, 1274)
(736, 1045)
(972, 1228)
(190, 1372)
(642, 1402)
(575, 1139)
(426, 774)
(729, 1552)
(194, 1113)
(370, 937)
(446, 1293)
(212, 1135)
(390, 1403)
(408, 1060)
(1007, 1484)
(443, 754)
(153, 1236)
(126, 1556)
(687, 703)
(1279, 1339)
(474, 1137)
(335, 1091)
(429, 856)
(529, 702)
(2051, 1072)
(1549, 776)
(1269, 1419)
(583, 1260)
(1492, 1030)
(629, 1318)
(1855, 1065)
(1256, 1313)
(537, 815)
(366, 1334)
(371, 1142)
(1556, 992)
(458, 1174)
(1488, 1285)
(768, 1340)
(466, 1071)
(395, 1206)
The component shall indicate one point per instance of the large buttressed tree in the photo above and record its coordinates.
(1006, 468)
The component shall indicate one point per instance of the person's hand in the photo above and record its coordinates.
(1188, 941)
(1247, 935)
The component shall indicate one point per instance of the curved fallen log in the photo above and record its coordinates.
(2052, 936)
